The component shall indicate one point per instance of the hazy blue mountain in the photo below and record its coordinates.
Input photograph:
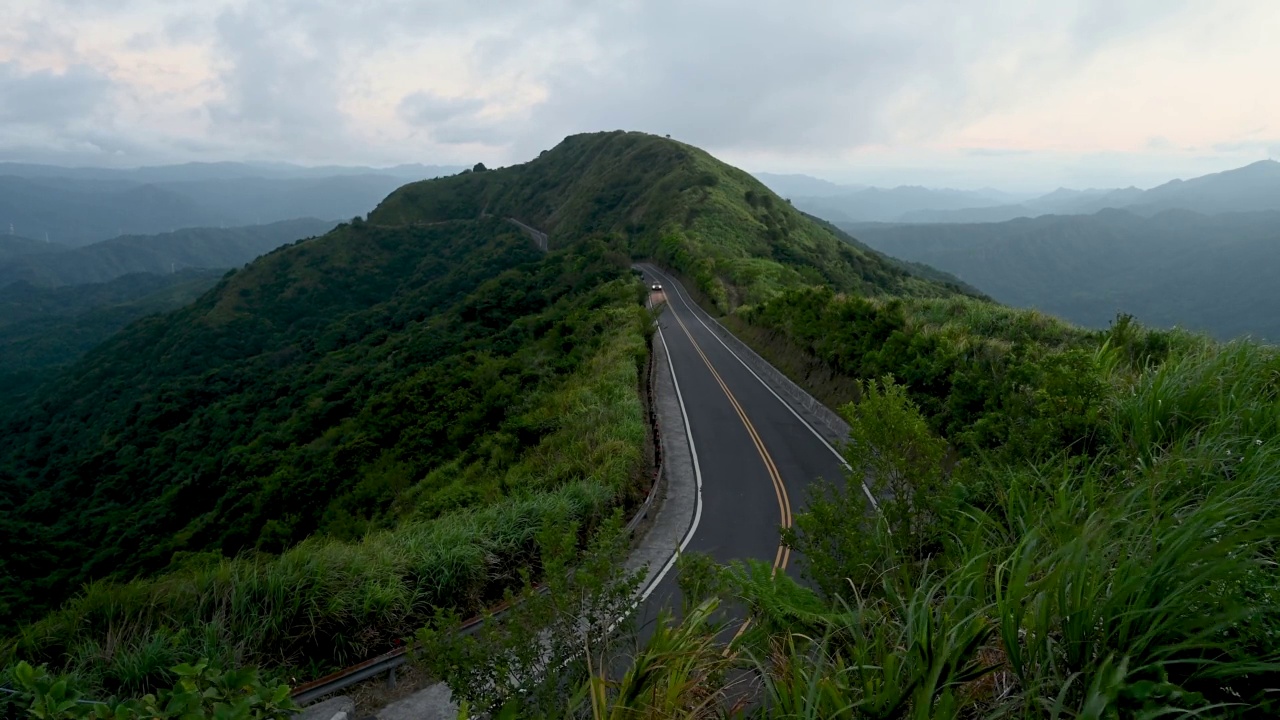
(1063, 201)
(163, 253)
(21, 302)
(86, 205)
(1177, 267)
(79, 211)
(1252, 188)
(794, 185)
(885, 205)
(12, 246)
(252, 201)
(990, 214)
(221, 171)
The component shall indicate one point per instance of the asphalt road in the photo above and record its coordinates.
(755, 455)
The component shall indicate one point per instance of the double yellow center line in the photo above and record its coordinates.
(783, 555)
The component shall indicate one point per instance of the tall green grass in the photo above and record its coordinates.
(1139, 581)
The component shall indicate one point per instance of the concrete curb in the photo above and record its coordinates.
(677, 501)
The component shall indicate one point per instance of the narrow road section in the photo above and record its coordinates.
(756, 454)
(738, 459)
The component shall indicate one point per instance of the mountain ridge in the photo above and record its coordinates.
(1168, 268)
(78, 211)
(1249, 188)
(200, 247)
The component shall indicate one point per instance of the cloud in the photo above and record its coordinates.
(1268, 145)
(48, 97)
(428, 108)
(443, 81)
(814, 77)
(279, 82)
(995, 152)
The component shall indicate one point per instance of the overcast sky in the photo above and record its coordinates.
(1018, 94)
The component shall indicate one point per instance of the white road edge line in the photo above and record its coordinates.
(766, 385)
(697, 473)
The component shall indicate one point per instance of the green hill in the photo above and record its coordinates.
(736, 240)
(392, 375)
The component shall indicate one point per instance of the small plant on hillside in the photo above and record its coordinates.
(844, 535)
(201, 691)
(534, 656)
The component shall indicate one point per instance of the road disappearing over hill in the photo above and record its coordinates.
(755, 453)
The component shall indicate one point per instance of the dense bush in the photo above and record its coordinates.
(201, 691)
(1136, 581)
(323, 459)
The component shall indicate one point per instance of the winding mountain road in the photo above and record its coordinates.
(754, 453)
(737, 456)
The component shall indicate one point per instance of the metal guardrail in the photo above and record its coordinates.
(539, 237)
(389, 661)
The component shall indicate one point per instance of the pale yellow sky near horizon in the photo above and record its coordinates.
(995, 93)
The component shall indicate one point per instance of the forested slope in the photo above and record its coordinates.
(424, 379)
(733, 237)
(42, 330)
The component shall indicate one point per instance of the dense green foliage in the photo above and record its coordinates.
(1134, 580)
(357, 431)
(201, 691)
(301, 394)
(1070, 523)
(42, 330)
(203, 247)
(1206, 273)
(420, 413)
(988, 378)
(737, 241)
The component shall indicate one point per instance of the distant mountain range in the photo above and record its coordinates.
(222, 171)
(58, 302)
(52, 265)
(1174, 267)
(1252, 188)
(79, 206)
(892, 204)
(12, 246)
(805, 185)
